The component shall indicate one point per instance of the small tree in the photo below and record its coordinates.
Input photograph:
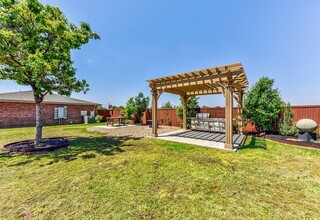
(286, 126)
(263, 104)
(167, 105)
(137, 105)
(192, 109)
(130, 108)
(35, 49)
(141, 105)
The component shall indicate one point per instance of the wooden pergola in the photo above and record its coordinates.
(229, 80)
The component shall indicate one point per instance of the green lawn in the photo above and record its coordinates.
(100, 177)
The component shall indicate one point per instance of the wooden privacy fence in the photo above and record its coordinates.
(307, 111)
(105, 113)
(168, 116)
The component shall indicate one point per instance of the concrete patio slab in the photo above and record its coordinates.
(198, 138)
(115, 126)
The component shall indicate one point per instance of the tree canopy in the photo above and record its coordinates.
(193, 106)
(130, 108)
(141, 104)
(263, 104)
(167, 105)
(120, 107)
(137, 105)
(35, 49)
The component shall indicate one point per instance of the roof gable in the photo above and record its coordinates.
(27, 96)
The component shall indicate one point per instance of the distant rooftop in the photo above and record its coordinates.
(27, 96)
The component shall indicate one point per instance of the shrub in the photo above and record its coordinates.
(98, 118)
(286, 126)
(167, 121)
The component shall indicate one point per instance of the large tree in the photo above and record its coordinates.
(35, 49)
(263, 104)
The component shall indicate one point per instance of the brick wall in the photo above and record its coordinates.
(14, 114)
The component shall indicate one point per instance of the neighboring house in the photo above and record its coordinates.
(18, 109)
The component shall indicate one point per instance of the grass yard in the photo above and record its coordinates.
(101, 177)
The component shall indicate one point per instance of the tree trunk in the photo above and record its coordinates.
(38, 138)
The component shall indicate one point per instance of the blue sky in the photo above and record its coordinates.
(146, 39)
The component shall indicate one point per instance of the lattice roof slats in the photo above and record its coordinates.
(203, 82)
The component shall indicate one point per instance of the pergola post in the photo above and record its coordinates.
(185, 100)
(240, 112)
(155, 96)
(228, 113)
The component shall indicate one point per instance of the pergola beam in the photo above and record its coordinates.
(198, 80)
(175, 91)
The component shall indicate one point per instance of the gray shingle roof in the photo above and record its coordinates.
(27, 96)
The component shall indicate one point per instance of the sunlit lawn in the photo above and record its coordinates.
(100, 177)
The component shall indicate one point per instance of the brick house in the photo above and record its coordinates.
(17, 109)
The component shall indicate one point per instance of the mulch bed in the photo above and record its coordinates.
(293, 141)
(47, 144)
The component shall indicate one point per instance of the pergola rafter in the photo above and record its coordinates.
(227, 80)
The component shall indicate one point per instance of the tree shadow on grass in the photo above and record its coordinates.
(80, 148)
(255, 143)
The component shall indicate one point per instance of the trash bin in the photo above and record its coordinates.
(91, 119)
(150, 123)
(85, 119)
